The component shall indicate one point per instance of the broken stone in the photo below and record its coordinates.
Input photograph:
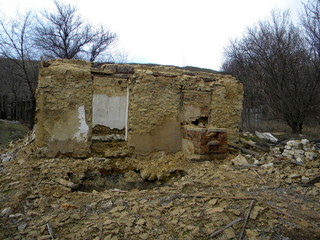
(240, 160)
(144, 236)
(141, 222)
(6, 212)
(310, 155)
(267, 165)
(108, 222)
(294, 175)
(255, 212)
(210, 211)
(66, 183)
(22, 226)
(256, 162)
(252, 234)
(304, 179)
(213, 202)
(229, 233)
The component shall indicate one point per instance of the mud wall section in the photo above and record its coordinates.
(149, 104)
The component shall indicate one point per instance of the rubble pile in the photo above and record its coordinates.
(169, 197)
(298, 150)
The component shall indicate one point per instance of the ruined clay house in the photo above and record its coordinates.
(145, 108)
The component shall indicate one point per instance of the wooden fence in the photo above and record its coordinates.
(16, 109)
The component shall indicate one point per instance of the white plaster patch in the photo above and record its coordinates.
(82, 133)
(110, 111)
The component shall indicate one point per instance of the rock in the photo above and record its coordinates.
(294, 175)
(66, 183)
(141, 221)
(252, 234)
(17, 215)
(144, 236)
(255, 212)
(304, 179)
(213, 202)
(240, 160)
(288, 180)
(256, 162)
(210, 211)
(22, 226)
(152, 177)
(235, 212)
(45, 237)
(229, 233)
(144, 174)
(310, 155)
(305, 141)
(108, 222)
(6, 212)
(267, 165)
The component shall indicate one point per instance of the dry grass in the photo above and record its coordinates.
(10, 131)
(280, 128)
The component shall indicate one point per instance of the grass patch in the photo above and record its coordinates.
(10, 131)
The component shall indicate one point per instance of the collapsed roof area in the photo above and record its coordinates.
(148, 108)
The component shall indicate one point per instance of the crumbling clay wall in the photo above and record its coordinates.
(149, 104)
(64, 103)
(164, 99)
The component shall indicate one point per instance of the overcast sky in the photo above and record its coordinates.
(171, 32)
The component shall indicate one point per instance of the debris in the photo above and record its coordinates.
(50, 231)
(299, 151)
(255, 212)
(244, 150)
(246, 219)
(118, 190)
(298, 161)
(312, 181)
(240, 160)
(226, 226)
(267, 136)
(267, 165)
(253, 144)
(67, 206)
(222, 197)
(191, 204)
(252, 234)
(67, 183)
(22, 226)
(6, 212)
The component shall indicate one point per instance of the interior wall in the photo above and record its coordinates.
(109, 111)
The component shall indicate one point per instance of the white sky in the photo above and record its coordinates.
(171, 32)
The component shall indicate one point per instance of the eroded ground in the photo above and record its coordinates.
(167, 198)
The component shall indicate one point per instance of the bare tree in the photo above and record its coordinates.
(16, 46)
(64, 34)
(272, 60)
(310, 20)
(311, 23)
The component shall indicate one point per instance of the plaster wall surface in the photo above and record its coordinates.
(109, 111)
(64, 103)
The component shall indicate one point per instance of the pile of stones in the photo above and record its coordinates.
(298, 150)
